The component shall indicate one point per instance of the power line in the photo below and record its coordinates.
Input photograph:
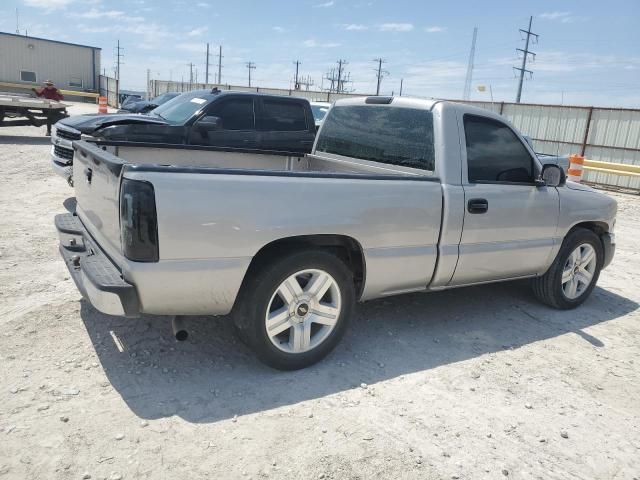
(472, 54)
(525, 56)
(250, 66)
(380, 73)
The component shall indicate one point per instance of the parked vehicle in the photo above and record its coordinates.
(319, 110)
(561, 160)
(203, 118)
(399, 195)
(145, 106)
(127, 98)
(19, 110)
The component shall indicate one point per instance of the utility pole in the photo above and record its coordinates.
(401, 81)
(17, 23)
(381, 73)
(250, 66)
(525, 56)
(296, 84)
(466, 94)
(220, 65)
(206, 72)
(118, 62)
(148, 79)
(338, 82)
(190, 65)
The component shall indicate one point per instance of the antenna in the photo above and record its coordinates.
(466, 94)
(17, 22)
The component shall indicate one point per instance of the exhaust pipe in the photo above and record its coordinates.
(179, 329)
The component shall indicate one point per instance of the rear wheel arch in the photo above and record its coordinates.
(346, 248)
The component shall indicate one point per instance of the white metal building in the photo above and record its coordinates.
(29, 61)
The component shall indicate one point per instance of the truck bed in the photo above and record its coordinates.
(213, 220)
(262, 160)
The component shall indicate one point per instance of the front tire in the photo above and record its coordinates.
(574, 273)
(294, 310)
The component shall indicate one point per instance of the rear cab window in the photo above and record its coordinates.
(283, 116)
(494, 153)
(384, 134)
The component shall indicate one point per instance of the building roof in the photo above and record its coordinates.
(48, 40)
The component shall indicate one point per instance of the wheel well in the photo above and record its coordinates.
(346, 248)
(596, 227)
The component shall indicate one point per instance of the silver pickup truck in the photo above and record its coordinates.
(399, 195)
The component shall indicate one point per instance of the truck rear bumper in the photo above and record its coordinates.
(96, 277)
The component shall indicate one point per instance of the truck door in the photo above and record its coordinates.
(236, 127)
(509, 222)
(285, 126)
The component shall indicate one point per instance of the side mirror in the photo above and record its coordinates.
(553, 176)
(209, 123)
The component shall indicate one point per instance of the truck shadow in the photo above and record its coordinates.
(213, 377)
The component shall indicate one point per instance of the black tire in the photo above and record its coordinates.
(256, 294)
(548, 287)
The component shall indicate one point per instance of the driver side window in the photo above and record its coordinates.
(494, 153)
(235, 114)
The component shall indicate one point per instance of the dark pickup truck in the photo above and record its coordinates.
(204, 118)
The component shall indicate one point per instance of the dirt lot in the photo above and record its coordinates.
(475, 383)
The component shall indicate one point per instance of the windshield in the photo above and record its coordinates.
(179, 109)
(319, 112)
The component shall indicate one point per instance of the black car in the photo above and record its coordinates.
(214, 118)
(145, 106)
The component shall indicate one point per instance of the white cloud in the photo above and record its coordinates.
(434, 29)
(196, 32)
(396, 27)
(95, 13)
(48, 5)
(563, 17)
(328, 4)
(355, 27)
(191, 47)
(202, 5)
(278, 29)
(311, 43)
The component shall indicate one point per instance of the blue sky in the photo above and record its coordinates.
(587, 52)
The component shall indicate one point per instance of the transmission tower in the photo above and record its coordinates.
(338, 78)
(296, 84)
(525, 56)
(380, 73)
(472, 54)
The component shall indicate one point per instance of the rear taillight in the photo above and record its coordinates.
(138, 221)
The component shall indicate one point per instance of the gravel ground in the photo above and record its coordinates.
(476, 383)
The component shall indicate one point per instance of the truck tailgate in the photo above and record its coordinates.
(96, 176)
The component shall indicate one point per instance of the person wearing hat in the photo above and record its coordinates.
(50, 92)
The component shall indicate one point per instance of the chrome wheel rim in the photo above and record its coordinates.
(303, 311)
(578, 271)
